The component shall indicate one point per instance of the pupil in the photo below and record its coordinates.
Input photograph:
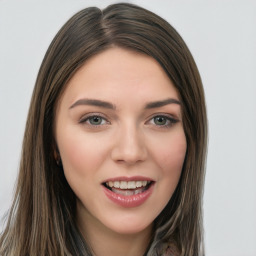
(96, 120)
(160, 120)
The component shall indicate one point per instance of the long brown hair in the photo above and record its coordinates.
(42, 218)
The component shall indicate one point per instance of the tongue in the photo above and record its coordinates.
(128, 192)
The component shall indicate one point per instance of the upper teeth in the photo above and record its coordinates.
(127, 184)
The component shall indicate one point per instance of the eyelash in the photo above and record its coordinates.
(87, 118)
(169, 120)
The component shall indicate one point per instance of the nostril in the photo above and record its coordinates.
(129, 156)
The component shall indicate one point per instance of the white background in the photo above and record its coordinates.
(222, 37)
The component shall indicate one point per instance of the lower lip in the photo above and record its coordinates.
(129, 201)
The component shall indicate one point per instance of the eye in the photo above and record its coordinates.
(160, 120)
(163, 120)
(94, 120)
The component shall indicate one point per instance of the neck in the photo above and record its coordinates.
(104, 241)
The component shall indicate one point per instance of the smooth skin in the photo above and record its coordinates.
(119, 116)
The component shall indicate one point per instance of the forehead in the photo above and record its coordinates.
(117, 74)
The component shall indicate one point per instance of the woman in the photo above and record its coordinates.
(114, 149)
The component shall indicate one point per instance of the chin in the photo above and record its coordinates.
(129, 227)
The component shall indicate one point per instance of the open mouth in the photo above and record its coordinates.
(128, 188)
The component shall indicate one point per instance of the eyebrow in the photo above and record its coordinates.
(108, 105)
(161, 103)
(93, 102)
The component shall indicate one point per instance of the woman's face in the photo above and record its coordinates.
(121, 140)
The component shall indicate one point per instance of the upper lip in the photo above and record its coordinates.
(133, 178)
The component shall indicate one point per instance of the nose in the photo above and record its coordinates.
(129, 146)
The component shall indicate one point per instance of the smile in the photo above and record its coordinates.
(127, 188)
(129, 193)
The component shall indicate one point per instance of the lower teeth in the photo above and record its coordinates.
(128, 192)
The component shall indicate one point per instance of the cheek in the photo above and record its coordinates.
(171, 153)
(170, 159)
(80, 160)
(80, 154)
(173, 158)
(73, 154)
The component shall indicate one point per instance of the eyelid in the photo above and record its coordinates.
(170, 118)
(85, 117)
(173, 120)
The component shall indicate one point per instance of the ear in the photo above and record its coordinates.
(56, 154)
